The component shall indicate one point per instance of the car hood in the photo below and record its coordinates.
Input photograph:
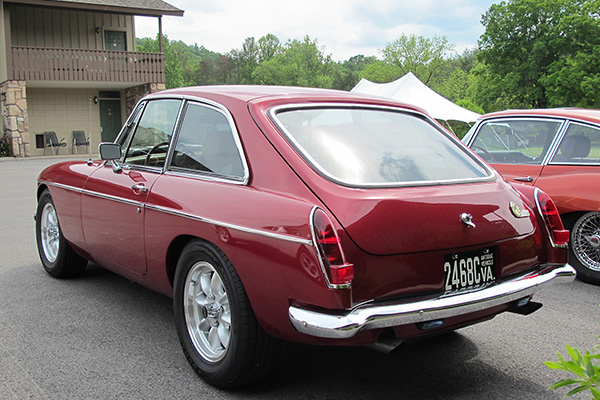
(408, 220)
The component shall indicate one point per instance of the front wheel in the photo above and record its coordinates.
(217, 328)
(585, 246)
(57, 256)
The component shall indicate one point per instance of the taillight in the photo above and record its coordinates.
(558, 235)
(338, 272)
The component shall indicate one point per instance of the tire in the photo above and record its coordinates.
(584, 248)
(217, 329)
(57, 256)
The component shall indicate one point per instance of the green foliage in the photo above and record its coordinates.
(586, 368)
(299, 63)
(381, 72)
(543, 53)
(173, 66)
(422, 56)
(4, 147)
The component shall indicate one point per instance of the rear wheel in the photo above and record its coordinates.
(217, 328)
(585, 246)
(57, 256)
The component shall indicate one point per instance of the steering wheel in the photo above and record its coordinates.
(153, 149)
(487, 155)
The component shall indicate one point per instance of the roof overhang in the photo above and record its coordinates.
(148, 8)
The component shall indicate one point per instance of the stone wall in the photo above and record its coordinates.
(134, 94)
(13, 111)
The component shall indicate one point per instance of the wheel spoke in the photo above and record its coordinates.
(223, 332)
(226, 317)
(216, 285)
(205, 326)
(205, 279)
(213, 338)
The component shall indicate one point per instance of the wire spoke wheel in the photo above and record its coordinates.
(586, 241)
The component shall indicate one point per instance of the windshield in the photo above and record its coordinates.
(377, 147)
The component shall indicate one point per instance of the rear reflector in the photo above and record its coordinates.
(559, 236)
(338, 272)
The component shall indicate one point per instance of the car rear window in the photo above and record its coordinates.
(376, 147)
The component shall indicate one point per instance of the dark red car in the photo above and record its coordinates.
(557, 150)
(306, 215)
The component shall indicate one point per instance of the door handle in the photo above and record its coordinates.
(524, 179)
(140, 186)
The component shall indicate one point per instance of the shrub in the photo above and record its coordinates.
(585, 368)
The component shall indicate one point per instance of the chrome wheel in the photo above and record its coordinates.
(50, 232)
(585, 241)
(207, 312)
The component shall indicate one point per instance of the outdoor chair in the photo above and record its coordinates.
(53, 142)
(79, 139)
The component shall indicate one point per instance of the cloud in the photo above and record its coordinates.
(344, 27)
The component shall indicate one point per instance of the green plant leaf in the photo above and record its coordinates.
(566, 382)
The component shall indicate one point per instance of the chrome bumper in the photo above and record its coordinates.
(373, 316)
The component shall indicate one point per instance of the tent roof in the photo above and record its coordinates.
(409, 89)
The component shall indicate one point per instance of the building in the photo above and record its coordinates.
(69, 65)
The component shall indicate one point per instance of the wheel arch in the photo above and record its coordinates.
(174, 252)
(40, 190)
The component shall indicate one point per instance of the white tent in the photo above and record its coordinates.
(409, 89)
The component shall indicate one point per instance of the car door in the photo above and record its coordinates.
(518, 148)
(575, 162)
(115, 196)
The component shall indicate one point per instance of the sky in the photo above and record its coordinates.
(344, 28)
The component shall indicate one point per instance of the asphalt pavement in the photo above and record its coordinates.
(102, 337)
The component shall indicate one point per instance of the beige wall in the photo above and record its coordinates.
(63, 111)
(61, 28)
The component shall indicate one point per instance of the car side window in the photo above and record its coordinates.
(206, 143)
(152, 135)
(515, 141)
(580, 145)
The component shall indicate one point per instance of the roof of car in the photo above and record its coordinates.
(249, 93)
(574, 113)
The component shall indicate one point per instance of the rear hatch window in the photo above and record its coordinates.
(377, 147)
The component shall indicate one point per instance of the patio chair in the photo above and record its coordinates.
(53, 142)
(79, 139)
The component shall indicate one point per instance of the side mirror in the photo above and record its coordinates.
(111, 152)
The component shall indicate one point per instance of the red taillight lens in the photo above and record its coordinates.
(339, 272)
(547, 208)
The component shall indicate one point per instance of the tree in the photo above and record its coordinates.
(268, 46)
(422, 56)
(300, 63)
(381, 72)
(173, 67)
(543, 52)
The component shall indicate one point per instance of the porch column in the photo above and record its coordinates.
(135, 93)
(15, 121)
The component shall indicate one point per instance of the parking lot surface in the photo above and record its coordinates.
(101, 337)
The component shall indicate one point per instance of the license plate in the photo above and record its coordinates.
(469, 270)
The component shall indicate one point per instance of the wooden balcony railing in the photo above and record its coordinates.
(48, 64)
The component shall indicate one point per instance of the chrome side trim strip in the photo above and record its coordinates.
(374, 316)
(274, 235)
(61, 186)
(94, 194)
